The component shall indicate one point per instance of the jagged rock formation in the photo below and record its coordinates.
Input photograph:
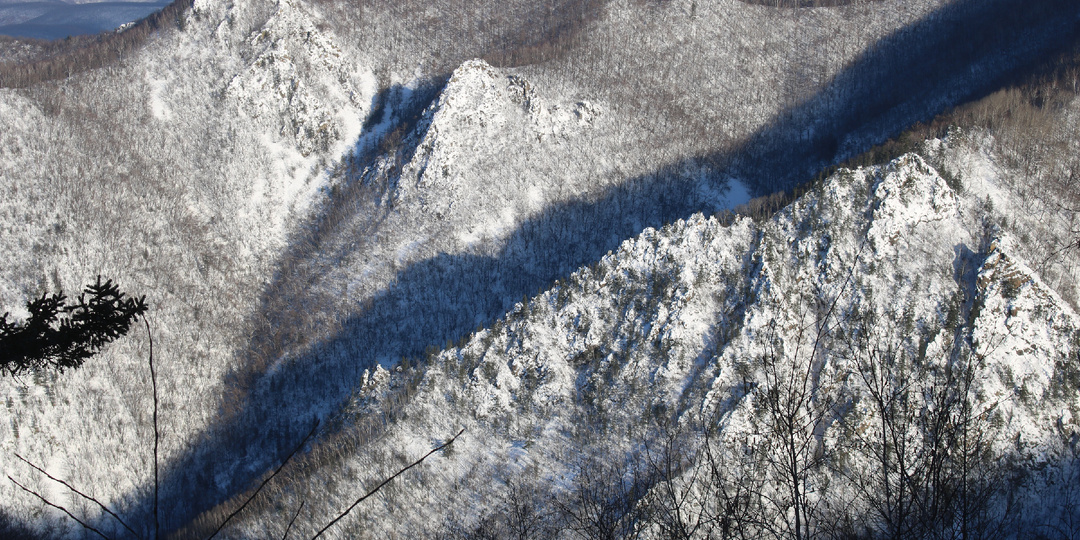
(879, 298)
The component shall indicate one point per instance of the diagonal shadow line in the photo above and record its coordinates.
(903, 79)
(962, 52)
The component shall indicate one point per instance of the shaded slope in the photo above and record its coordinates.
(678, 327)
(960, 53)
(440, 299)
(571, 216)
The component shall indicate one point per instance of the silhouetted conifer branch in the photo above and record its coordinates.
(61, 336)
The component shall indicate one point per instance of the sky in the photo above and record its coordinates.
(57, 19)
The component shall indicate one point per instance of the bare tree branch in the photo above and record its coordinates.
(268, 479)
(289, 528)
(85, 496)
(387, 481)
(61, 508)
(153, 382)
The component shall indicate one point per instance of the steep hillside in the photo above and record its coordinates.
(306, 191)
(168, 183)
(776, 351)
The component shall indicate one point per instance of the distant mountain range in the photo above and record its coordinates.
(57, 20)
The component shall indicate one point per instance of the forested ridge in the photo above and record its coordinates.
(630, 246)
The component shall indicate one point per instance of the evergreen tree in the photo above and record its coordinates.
(60, 336)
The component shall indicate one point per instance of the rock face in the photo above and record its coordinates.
(826, 353)
(297, 76)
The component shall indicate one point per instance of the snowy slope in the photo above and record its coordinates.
(168, 186)
(303, 195)
(698, 324)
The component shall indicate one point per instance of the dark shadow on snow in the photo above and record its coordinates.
(907, 77)
(963, 52)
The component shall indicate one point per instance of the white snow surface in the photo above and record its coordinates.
(199, 167)
(680, 319)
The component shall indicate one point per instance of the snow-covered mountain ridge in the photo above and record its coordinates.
(880, 279)
(298, 75)
(305, 190)
(451, 210)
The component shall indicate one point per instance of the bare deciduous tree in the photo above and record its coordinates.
(604, 503)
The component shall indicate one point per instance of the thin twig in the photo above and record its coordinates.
(1068, 245)
(264, 482)
(85, 496)
(61, 508)
(293, 520)
(153, 382)
(387, 481)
